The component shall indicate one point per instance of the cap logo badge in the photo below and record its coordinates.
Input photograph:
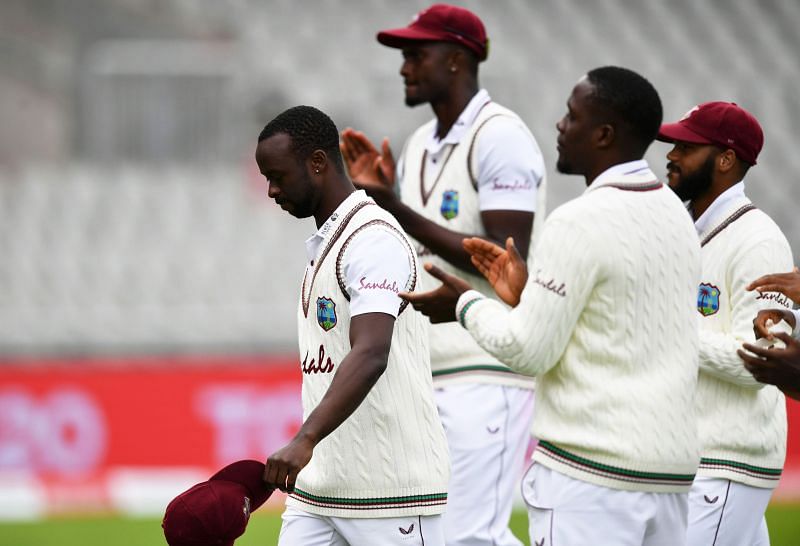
(246, 508)
(689, 113)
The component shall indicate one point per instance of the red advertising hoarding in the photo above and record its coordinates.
(129, 434)
(74, 432)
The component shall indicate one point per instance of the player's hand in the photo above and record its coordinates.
(775, 315)
(283, 466)
(787, 284)
(438, 305)
(505, 269)
(369, 169)
(779, 367)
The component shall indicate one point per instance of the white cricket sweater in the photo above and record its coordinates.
(455, 356)
(742, 423)
(390, 457)
(606, 323)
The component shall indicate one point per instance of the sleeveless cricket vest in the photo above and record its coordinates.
(390, 457)
(451, 201)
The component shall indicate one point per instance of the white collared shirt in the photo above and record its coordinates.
(510, 164)
(713, 214)
(374, 264)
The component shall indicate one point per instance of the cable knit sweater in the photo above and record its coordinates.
(742, 423)
(606, 321)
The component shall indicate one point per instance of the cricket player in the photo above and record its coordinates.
(474, 169)
(605, 320)
(370, 464)
(742, 423)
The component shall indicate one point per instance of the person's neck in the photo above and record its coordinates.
(701, 204)
(448, 110)
(606, 162)
(338, 190)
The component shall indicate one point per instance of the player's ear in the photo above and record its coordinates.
(317, 161)
(604, 135)
(455, 59)
(726, 160)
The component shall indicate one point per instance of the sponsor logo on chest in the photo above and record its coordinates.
(707, 299)
(449, 206)
(326, 313)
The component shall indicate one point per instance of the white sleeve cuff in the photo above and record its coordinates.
(796, 332)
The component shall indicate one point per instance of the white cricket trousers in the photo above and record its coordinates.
(301, 528)
(726, 513)
(563, 511)
(488, 432)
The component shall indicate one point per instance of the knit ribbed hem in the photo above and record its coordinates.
(483, 374)
(375, 507)
(737, 471)
(624, 476)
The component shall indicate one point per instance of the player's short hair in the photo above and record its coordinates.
(631, 98)
(310, 129)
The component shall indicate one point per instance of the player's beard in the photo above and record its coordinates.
(692, 185)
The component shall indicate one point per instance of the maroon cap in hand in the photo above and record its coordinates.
(723, 124)
(216, 512)
(441, 23)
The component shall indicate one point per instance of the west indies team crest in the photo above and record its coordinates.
(326, 313)
(449, 208)
(707, 299)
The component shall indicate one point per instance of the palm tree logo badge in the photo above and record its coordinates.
(707, 299)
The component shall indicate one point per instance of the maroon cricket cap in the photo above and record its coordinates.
(724, 124)
(216, 512)
(441, 23)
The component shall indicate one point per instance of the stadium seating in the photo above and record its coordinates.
(100, 254)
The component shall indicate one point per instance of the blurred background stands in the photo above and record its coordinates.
(133, 218)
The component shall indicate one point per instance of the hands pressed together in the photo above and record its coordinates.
(775, 366)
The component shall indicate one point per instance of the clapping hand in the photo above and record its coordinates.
(505, 269)
(369, 169)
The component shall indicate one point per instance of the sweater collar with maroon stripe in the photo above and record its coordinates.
(632, 175)
(720, 209)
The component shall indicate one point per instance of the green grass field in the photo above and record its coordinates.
(783, 519)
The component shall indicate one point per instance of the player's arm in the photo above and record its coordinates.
(531, 337)
(375, 263)
(511, 168)
(370, 341)
(718, 350)
(448, 244)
